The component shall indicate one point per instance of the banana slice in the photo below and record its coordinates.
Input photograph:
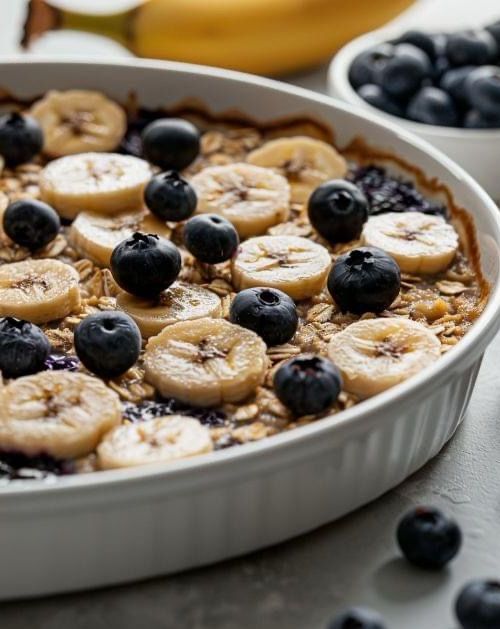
(158, 440)
(376, 354)
(420, 243)
(295, 265)
(306, 163)
(78, 121)
(205, 362)
(180, 302)
(56, 412)
(106, 183)
(252, 198)
(95, 236)
(38, 290)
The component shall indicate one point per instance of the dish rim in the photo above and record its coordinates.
(349, 419)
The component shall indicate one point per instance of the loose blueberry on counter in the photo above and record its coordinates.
(338, 210)
(171, 143)
(364, 280)
(428, 539)
(60, 362)
(21, 138)
(433, 106)
(210, 238)
(357, 618)
(170, 197)
(483, 90)
(475, 120)
(478, 605)
(268, 312)
(31, 224)
(24, 348)
(307, 384)
(402, 74)
(145, 264)
(362, 70)
(108, 343)
(427, 42)
(376, 97)
(453, 82)
(474, 47)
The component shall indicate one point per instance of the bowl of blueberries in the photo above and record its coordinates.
(443, 86)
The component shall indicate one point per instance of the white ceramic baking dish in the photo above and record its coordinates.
(111, 527)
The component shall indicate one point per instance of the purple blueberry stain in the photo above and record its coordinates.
(150, 409)
(16, 465)
(60, 362)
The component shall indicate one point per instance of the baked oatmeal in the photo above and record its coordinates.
(150, 315)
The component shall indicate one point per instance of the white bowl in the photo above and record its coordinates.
(110, 527)
(476, 150)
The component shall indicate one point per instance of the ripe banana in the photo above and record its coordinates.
(38, 290)
(106, 183)
(306, 163)
(205, 362)
(252, 198)
(158, 440)
(79, 121)
(180, 302)
(420, 243)
(59, 413)
(375, 354)
(95, 236)
(295, 265)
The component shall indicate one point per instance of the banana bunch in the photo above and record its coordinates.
(260, 36)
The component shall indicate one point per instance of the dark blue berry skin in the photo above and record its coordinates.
(210, 238)
(433, 106)
(338, 210)
(357, 618)
(375, 96)
(483, 90)
(268, 312)
(494, 30)
(171, 143)
(362, 70)
(24, 348)
(402, 74)
(471, 48)
(428, 539)
(21, 138)
(30, 223)
(454, 80)
(108, 343)
(425, 41)
(475, 120)
(170, 197)
(307, 384)
(478, 605)
(145, 264)
(364, 280)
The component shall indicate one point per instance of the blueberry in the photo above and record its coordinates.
(108, 343)
(24, 348)
(307, 384)
(425, 41)
(454, 80)
(402, 74)
(21, 138)
(357, 618)
(483, 90)
(494, 30)
(473, 47)
(337, 210)
(268, 312)
(433, 106)
(475, 120)
(30, 223)
(440, 67)
(170, 197)
(376, 97)
(428, 538)
(362, 70)
(210, 238)
(171, 143)
(145, 264)
(365, 279)
(478, 605)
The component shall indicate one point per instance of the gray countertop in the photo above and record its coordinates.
(303, 583)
